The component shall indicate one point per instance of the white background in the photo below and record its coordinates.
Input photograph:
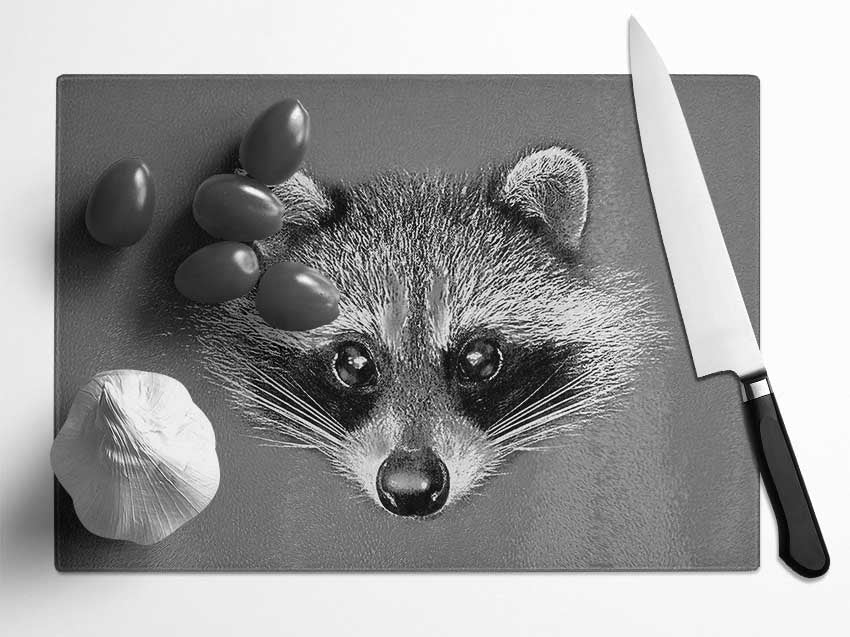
(799, 52)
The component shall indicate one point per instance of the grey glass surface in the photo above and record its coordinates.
(666, 483)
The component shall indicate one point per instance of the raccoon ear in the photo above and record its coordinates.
(549, 188)
(305, 203)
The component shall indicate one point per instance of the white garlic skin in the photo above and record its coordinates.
(136, 455)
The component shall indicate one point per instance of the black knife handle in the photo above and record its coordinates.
(801, 544)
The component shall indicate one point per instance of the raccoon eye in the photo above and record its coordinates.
(353, 366)
(480, 360)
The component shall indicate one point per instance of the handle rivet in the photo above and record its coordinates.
(750, 390)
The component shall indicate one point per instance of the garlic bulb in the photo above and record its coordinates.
(136, 455)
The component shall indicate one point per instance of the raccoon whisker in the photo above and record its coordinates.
(513, 411)
(294, 403)
(300, 440)
(532, 443)
(276, 385)
(313, 427)
(538, 447)
(303, 408)
(237, 391)
(575, 382)
(317, 405)
(569, 406)
(274, 429)
(317, 411)
(539, 427)
(274, 404)
(506, 424)
(298, 436)
(289, 401)
(279, 445)
(574, 404)
(322, 440)
(267, 442)
(333, 471)
(530, 440)
(578, 398)
(345, 471)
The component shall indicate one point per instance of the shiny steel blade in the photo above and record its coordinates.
(718, 327)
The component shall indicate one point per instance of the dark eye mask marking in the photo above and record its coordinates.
(524, 374)
(311, 375)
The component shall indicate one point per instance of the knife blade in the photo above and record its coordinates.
(718, 329)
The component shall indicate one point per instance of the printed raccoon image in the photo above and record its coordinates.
(471, 327)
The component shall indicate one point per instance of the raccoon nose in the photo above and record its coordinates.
(413, 483)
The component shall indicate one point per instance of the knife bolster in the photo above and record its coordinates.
(752, 388)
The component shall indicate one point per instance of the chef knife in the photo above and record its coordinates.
(719, 332)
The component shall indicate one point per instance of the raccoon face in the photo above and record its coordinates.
(470, 328)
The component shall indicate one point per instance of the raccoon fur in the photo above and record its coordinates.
(470, 328)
